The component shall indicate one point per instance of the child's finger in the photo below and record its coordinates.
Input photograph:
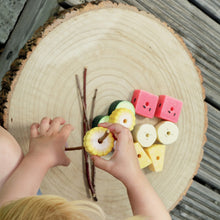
(44, 125)
(104, 125)
(120, 132)
(66, 130)
(114, 128)
(55, 125)
(34, 130)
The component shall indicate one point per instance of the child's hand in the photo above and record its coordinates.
(124, 163)
(48, 141)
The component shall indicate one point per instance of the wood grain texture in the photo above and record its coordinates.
(123, 49)
(210, 7)
(210, 166)
(200, 33)
(199, 203)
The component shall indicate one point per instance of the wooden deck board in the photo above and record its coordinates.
(209, 170)
(210, 7)
(199, 203)
(9, 9)
(33, 16)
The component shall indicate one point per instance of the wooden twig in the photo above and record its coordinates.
(105, 135)
(74, 148)
(90, 122)
(85, 127)
(82, 101)
(93, 107)
(93, 173)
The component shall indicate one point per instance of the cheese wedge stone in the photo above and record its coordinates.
(143, 158)
(157, 154)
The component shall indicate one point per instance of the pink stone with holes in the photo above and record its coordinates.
(168, 108)
(144, 103)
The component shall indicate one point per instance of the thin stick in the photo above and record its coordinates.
(93, 173)
(82, 101)
(93, 107)
(90, 122)
(84, 98)
(105, 135)
(74, 148)
(84, 86)
(85, 127)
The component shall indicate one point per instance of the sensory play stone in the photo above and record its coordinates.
(144, 103)
(168, 108)
(167, 132)
(94, 146)
(145, 134)
(156, 153)
(143, 158)
(124, 117)
(121, 104)
(100, 119)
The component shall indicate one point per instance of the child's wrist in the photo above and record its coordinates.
(39, 159)
(134, 179)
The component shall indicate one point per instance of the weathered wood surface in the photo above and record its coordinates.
(209, 170)
(33, 16)
(9, 9)
(203, 201)
(201, 33)
(199, 203)
(210, 7)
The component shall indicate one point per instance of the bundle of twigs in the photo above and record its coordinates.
(86, 126)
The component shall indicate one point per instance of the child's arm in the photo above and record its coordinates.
(46, 150)
(124, 166)
(10, 155)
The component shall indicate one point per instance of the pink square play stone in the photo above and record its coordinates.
(144, 103)
(168, 108)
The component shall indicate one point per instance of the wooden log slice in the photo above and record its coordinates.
(123, 49)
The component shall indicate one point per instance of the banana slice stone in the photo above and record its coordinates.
(167, 132)
(145, 134)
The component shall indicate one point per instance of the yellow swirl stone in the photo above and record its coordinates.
(124, 117)
(92, 144)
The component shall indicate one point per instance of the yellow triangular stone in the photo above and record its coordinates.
(156, 153)
(143, 158)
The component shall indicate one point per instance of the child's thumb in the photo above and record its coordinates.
(100, 163)
(66, 161)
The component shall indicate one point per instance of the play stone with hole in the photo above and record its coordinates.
(168, 108)
(143, 158)
(156, 153)
(124, 117)
(144, 103)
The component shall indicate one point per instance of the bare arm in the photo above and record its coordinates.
(144, 200)
(124, 166)
(25, 180)
(46, 150)
(10, 155)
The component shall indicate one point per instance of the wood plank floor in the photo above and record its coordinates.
(197, 22)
